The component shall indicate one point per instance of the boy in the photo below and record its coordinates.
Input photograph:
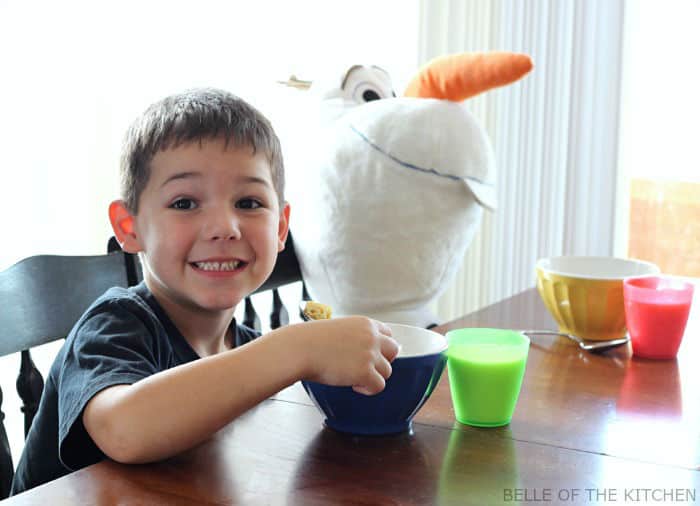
(151, 371)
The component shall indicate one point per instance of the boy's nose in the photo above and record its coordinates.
(223, 226)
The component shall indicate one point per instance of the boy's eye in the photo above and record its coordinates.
(248, 204)
(183, 204)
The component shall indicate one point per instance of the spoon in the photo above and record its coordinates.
(592, 346)
(302, 311)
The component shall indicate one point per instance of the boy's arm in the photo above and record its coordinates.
(176, 409)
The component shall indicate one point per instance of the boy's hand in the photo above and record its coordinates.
(354, 351)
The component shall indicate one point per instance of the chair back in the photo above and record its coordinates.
(41, 299)
(43, 296)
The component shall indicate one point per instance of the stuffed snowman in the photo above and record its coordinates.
(394, 187)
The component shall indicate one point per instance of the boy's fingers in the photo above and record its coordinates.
(383, 328)
(383, 368)
(374, 384)
(361, 390)
(390, 348)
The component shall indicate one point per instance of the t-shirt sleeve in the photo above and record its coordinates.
(244, 335)
(114, 344)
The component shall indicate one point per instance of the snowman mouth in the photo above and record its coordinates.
(408, 165)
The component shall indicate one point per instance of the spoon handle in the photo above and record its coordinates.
(552, 333)
(592, 346)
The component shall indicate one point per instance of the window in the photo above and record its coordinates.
(659, 194)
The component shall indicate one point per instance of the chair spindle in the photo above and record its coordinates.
(279, 315)
(7, 470)
(30, 385)
(250, 317)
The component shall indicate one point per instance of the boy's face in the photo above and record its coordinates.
(209, 225)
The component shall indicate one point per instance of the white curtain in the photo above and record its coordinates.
(554, 134)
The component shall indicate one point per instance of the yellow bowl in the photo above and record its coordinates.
(584, 294)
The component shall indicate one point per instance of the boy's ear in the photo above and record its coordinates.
(283, 228)
(123, 226)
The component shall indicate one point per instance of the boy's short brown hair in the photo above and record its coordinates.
(195, 115)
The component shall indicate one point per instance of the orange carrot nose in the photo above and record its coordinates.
(460, 76)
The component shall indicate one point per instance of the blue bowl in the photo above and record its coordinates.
(415, 374)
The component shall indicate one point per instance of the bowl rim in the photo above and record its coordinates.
(436, 335)
(540, 265)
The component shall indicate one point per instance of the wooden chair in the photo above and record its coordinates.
(43, 296)
(41, 299)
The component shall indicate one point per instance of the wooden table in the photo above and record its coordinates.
(587, 429)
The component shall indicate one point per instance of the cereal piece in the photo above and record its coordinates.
(317, 311)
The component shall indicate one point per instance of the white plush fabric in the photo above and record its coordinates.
(392, 200)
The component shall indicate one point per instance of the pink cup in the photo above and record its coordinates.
(656, 312)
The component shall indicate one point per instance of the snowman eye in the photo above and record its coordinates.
(366, 92)
(364, 84)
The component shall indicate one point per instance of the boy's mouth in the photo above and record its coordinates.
(212, 266)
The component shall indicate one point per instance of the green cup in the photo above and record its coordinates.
(486, 369)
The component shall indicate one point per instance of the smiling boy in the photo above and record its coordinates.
(153, 370)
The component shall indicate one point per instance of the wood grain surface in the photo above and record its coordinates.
(588, 429)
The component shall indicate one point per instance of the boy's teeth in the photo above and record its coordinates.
(218, 266)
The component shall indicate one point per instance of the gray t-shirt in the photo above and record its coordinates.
(123, 337)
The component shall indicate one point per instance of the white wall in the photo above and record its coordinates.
(76, 73)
